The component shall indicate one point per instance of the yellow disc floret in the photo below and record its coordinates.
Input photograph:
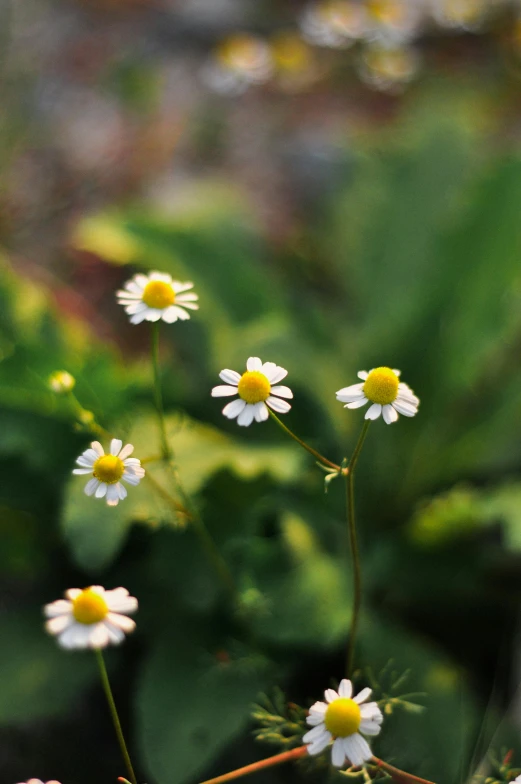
(158, 294)
(108, 469)
(386, 11)
(89, 607)
(254, 387)
(381, 386)
(343, 718)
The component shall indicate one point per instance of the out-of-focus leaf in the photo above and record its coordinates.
(95, 532)
(38, 679)
(307, 591)
(192, 703)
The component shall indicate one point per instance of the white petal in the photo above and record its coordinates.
(234, 408)
(73, 593)
(188, 304)
(330, 695)
(137, 318)
(115, 634)
(246, 416)
(318, 708)
(346, 688)
(371, 712)
(278, 405)
(179, 287)
(184, 298)
(224, 391)
(98, 448)
(363, 751)
(320, 744)
(126, 451)
(75, 636)
(122, 622)
(274, 373)
(113, 495)
(153, 314)
(163, 276)
(389, 414)
(253, 363)
(115, 446)
(261, 412)
(91, 486)
(363, 695)
(397, 372)
(59, 624)
(374, 411)
(91, 455)
(369, 727)
(337, 753)
(173, 313)
(82, 471)
(312, 735)
(101, 490)
(133, 307)
(282, 392)
(348, 394)
(351, 751)
(59, 607)
(99, 636)
(407, 409)
(131, 478)
(362, 374)
(230, 376)
(122, 491)
(141, 280)
(85, 462)
(313, 720)
(357, 403)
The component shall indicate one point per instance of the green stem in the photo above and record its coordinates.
(114, 713)
(205, 538)
(303, 444)
(353, 541)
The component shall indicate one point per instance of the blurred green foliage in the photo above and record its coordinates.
(418, 269)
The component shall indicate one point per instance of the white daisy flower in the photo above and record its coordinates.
(255, 391)
(334, 23)
(157, 296)
(341, 719)
(92, 618)
(39, 781)
(107, 470)
(381, 387)
(239, 61)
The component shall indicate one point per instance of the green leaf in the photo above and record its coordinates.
(38, 679)
(192, 703)
(96, 532)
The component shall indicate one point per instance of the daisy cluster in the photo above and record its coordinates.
(94, 617)
(385, 33)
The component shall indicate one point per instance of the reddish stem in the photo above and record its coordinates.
(278, 759)
(398, 775)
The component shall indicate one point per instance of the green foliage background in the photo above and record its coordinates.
(419, 268)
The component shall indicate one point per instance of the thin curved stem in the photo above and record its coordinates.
(303, 444)
(278, 759)
(114, 713)
(353, 542)
(400, 776)
(186, 507)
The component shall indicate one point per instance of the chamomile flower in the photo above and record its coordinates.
(381, 387)
(91, 618)
(239, 61)
(39, 781)
(334, 23)
(389, 68)
(256, 391)
(156, 296)
(340, 720)
(107, 470)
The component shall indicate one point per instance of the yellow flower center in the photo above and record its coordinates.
(239, 51)
(108, 469)
(89, 607)
(343, 718)
(381, 386)
(254, 387)
(386, 11)
(158, 294)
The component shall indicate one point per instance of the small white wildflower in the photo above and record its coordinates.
(340, 720)
(61, 382)
(381, 387)
(389, 68)
(255, 391)
(156, 296)
(39, 781)
(107, 470)
(91, 618)
(239, 61)
(334, 23)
